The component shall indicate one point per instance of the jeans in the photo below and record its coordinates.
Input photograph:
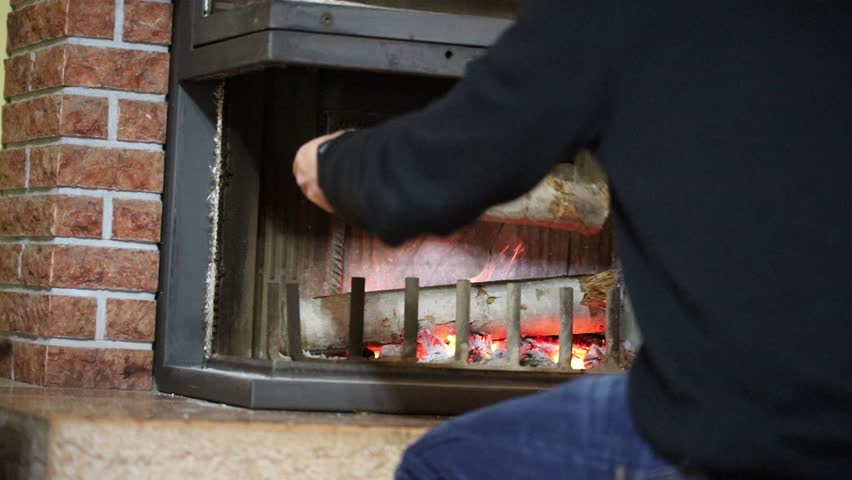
(581, 430)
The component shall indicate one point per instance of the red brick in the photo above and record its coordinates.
(6, 358)
(106, 268)
(131, 320)
(142, 121)
(55, 115)
(18, 73)
(29, 363)
(147, 22)
(90, 267)
(70, 317)
(136, 220)
(36, 23)
(84, 116)
(37, 265)
(44, 164)
(13, 168)
(8, 305)
(10, 257)
(91, 18)
(36, 118)
(134, 70)
(78, 166)
(47, 315)
(139, 170)
(26, 216)
(48, 69)
(23, 312)
(16, 312)
(82, 66)
(70, 367)
(124, 369)
(51, 215)
(57, 18)
(78, 217)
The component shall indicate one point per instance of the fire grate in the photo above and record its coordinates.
(460, 355)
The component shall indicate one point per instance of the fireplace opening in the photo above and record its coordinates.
(268, 302)
(273, 236)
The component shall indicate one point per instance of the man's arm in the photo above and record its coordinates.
(540, 90)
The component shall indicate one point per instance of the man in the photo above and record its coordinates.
(726, 130)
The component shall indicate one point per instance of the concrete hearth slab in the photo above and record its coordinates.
(65, 434)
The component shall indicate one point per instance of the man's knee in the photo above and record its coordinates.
(430, 456)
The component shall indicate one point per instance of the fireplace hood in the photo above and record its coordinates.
(429, 37)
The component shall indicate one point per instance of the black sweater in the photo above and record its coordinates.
(726, 130)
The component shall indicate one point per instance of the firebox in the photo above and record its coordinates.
(268, 302)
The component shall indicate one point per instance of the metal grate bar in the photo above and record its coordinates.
(294, 323)
(356, 319)
(462, 321)
(513, 324)
(566, 325)
(273, 320)
(412, 301)
(613, 326)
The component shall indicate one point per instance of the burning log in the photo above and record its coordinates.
(573, 197)
(325, 320)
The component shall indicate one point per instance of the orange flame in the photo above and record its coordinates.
(376, 349)
(519, 249)
(491, 267)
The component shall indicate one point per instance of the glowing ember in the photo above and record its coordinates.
(451, 344)
(534, 351)
(431, 348)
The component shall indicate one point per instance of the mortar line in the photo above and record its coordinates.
(80, 192)
(100, 318)
(112, 117)
(80, 343)
(78, 292)
(80, 242)
(118, 29)
(86, 142)
(88, 42)
(107, 220)
(112, 92)
(30, 96)
(96, 92)
(27, 166)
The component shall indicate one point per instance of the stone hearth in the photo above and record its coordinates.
(75, 433)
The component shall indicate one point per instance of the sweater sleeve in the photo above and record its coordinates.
(539, 93)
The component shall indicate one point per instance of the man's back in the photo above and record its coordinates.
(726, 130)
(730, 157)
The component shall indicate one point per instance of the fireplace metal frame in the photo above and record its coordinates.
(273, 34)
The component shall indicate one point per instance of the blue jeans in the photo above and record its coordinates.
(581, 430)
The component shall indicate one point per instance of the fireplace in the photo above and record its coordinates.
(268, 302)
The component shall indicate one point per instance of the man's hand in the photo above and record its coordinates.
(306, 172)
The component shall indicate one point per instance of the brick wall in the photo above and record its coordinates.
(80, 180)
